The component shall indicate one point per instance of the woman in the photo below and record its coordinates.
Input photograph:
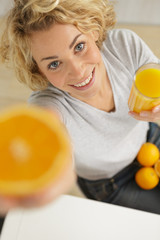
(77, 66)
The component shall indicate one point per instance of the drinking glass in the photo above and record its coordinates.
(145, 91)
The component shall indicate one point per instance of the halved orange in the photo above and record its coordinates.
(35, 150)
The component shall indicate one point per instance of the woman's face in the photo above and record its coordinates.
(69, 59)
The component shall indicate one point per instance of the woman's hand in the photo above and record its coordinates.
(148, 116)
(62, 186)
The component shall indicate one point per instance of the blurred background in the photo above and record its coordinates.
(138, 11)
(141, 16)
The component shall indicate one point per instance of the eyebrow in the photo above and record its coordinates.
(74, 40)
(70, 46)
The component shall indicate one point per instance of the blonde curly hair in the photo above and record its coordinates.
(28, 16)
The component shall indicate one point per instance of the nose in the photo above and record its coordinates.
(76, 69)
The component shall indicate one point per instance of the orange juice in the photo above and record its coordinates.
(145, 92)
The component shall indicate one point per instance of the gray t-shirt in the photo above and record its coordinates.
(104, 143)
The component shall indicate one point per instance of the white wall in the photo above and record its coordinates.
(138, 11)
(5, 5)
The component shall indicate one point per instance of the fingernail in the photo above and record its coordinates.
(156, 109)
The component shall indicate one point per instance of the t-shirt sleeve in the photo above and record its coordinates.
(130, 48)
(47, 99)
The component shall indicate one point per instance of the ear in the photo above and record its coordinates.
(95, 35)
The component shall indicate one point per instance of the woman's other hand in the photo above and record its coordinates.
(148, 116)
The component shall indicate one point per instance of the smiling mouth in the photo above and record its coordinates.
(85, 82)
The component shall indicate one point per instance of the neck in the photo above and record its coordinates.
(103, 99)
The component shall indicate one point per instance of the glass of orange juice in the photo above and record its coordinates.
(145, 91)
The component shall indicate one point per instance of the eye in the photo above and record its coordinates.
(54, 65)
(79, 47)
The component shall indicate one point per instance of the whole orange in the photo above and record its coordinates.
(146, 178)
(148, 154)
